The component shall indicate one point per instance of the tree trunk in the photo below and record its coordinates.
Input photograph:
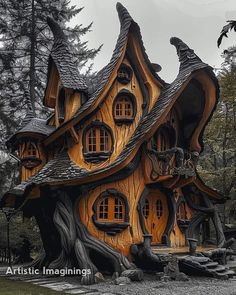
(32, 77)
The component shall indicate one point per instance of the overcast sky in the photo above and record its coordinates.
(197, 22)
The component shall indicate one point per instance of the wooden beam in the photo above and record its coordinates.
(74, 135)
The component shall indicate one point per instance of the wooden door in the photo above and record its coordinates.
(156, 213)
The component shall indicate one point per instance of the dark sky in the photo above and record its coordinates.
(196, 22)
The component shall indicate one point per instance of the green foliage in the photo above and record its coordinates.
(25, 43)
(217, 165)
(10, 287)
(19, 229)
(231, 25)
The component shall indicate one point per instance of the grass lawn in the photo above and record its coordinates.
(9, 287)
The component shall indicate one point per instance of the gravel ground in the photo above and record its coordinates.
(150, 286)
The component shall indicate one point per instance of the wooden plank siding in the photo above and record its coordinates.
(132, 187)
(121, 133)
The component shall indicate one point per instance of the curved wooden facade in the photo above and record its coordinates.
(116, 162)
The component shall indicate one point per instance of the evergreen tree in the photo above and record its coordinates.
(217, 165)
(231, 25)
(25, 44)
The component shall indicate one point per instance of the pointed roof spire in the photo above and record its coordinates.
(187, 56)
(123, 13)
(29, 112)
(64, 60)
(56, 29)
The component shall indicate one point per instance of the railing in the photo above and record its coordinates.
(174, 161)
(4, 257)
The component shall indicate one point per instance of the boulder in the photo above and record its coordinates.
(99, 278)
(133, 274)
(122, 281)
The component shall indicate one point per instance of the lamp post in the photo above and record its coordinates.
(9, 212)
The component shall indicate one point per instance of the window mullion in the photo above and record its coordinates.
(111, 209)
(98, 134)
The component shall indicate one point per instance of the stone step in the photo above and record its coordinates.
(201, 259)
(219, 268)
(225, 274)
(211, 264)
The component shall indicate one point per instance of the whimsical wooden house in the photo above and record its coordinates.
(112, 173)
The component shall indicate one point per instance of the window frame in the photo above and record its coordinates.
(61, 105)
(124, 79)
(110, 225)
(29, 154)
(123, 118)
(97, 154)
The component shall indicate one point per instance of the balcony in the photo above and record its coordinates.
(171, 162)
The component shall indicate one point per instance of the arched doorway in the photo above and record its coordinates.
(155, 213)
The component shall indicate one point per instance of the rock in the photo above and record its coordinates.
(133, 274)
(159, 275)
(122, 281)
(181, 277)
(166, 278)
(99, 278)
(115, 275)
(172, 268)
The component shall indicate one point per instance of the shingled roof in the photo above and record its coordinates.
(30, 124)
(34, 126)
(63, 58)
(97, 83)
(62, 168)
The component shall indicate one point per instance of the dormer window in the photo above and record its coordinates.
(31, 149)
(29, 154)
(124, 74)
(124, 107)
(98, 142)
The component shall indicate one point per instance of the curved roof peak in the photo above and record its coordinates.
(63, 57)
(29, 112)
(186, 55)
(56, 29)
(123, 13)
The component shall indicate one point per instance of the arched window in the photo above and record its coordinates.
(146, 209)
(111, 212)
(98, 142)
(165, 137)
(29, 154)
(159, 208)
(111, 209)
(124, 107)
(162, 141)
(124, 74)
(31, 149)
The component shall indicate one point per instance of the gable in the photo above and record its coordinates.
(121, 131)
(53, 84)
